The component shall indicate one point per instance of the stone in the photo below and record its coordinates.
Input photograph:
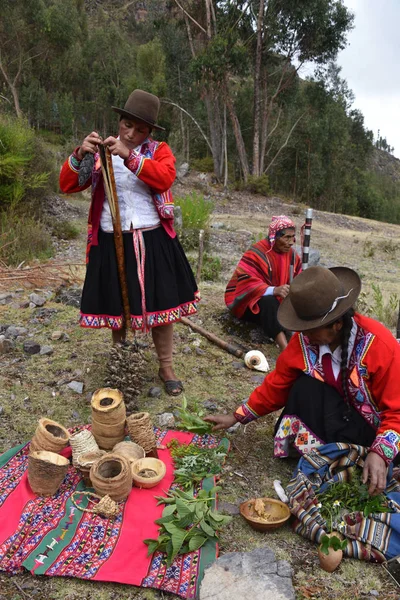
(76, 386)
(178, 219)
(32, 305)
(6, 298)
(217, 225)
(253, 574)
(24, 305)
(166, 420)
(154, 392)
(228, 508)
(57, 335)
(182, 170)
(238, 365)
(1, 410)
(6, 346)
(31, 347)
(200, 352)
(13, 331)
(76, 415)
(37, 300)
(186, 350)
(210, 405)
(234, 428)
(46, 350)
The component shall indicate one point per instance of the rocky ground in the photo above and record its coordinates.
(50, 367)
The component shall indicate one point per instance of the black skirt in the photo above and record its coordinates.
(170, 290)
(316, 414)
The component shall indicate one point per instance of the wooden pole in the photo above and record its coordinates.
(200, 257)
(307, 237)
(111, 189)
(231, 348)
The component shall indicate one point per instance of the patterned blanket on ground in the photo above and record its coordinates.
(375, 538)
(50, 536)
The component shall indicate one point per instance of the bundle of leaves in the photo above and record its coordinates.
(193, 464)
(191, 420)
(187, 523)
(350, 496)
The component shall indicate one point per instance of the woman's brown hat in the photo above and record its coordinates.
(143, 106)
(317, 297)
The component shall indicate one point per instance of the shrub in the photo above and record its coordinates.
(385, 311)
(65, 230)
(211, 268)
(22, 238)
(196, 211)
(205, 165)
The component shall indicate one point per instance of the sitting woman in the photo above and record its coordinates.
(337, 380)
(261, 279)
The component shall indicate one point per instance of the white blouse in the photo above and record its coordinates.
(136, 205)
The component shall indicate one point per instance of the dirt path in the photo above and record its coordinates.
(35, 386)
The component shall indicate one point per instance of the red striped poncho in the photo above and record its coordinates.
(259, 268)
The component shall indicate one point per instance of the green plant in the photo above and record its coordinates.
(258, 185)
(384, 311)
(65, 230)
(211, 267)
(204, 165)
(187, 523)
(22, 238)
(193, 464)
(196, 211)
(368, 249)
(331, 541)
(192, 421)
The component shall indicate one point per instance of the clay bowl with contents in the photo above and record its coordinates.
(264, 514)
(147, 472)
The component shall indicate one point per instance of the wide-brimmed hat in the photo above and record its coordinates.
(143, 106)
(317, 297)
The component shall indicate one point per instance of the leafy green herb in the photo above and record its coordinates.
(331, 542)
(192, 421)
(187, 523)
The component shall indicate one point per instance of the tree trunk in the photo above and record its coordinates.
(257, 167)
(214, 121)
(244, 163)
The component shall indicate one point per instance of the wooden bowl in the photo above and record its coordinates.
(278, 513)
(154, 464)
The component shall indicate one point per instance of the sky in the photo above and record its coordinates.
(371, 65)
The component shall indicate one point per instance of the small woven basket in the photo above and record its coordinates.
(108, 406)
(114, 431)
(50, 436)
(129, 450)
(141, 430)
(81, 443)
(46, 471)
(85, 462)
(111, 476)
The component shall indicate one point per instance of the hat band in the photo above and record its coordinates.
(325, 313)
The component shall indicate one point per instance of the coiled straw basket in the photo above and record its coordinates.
(85, 461)
(108, 417)
(111, 475)
(81, 443)
(50, 436)
(129, 450)
(46, 471)
(141, 430)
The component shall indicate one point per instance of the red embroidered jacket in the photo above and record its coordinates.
(373, 383)
(155, 165)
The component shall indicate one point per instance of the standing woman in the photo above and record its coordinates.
(161, 285)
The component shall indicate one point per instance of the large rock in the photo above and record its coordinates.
(255, 574)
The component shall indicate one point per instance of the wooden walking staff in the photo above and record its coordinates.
(111, 191)
(306, 235)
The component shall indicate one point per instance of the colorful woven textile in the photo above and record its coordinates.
(50, 536)
(259, 268)
(375, 538)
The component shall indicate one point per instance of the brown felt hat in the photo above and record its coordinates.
(143, 106)
(317, 297)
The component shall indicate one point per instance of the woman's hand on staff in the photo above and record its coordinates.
(281, 290)
(374, 472)
(90, 144)
(221, 421)
(116, 147)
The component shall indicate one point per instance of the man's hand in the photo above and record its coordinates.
(90, 144)
(375, 471)
(221, 421)
(281, 290)
(117, 148)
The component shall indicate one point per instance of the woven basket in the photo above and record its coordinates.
(85, 461)
(81, 443)
(153, 464)
(129, 450)
(46, 471)
(141, 430)
(105, 430)
(50, 436)
(108, 406)
(111, 475)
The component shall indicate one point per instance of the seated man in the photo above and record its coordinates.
(337, 380)
(262, 277)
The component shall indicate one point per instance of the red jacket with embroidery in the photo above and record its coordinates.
(154, 165)
(373, 382)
